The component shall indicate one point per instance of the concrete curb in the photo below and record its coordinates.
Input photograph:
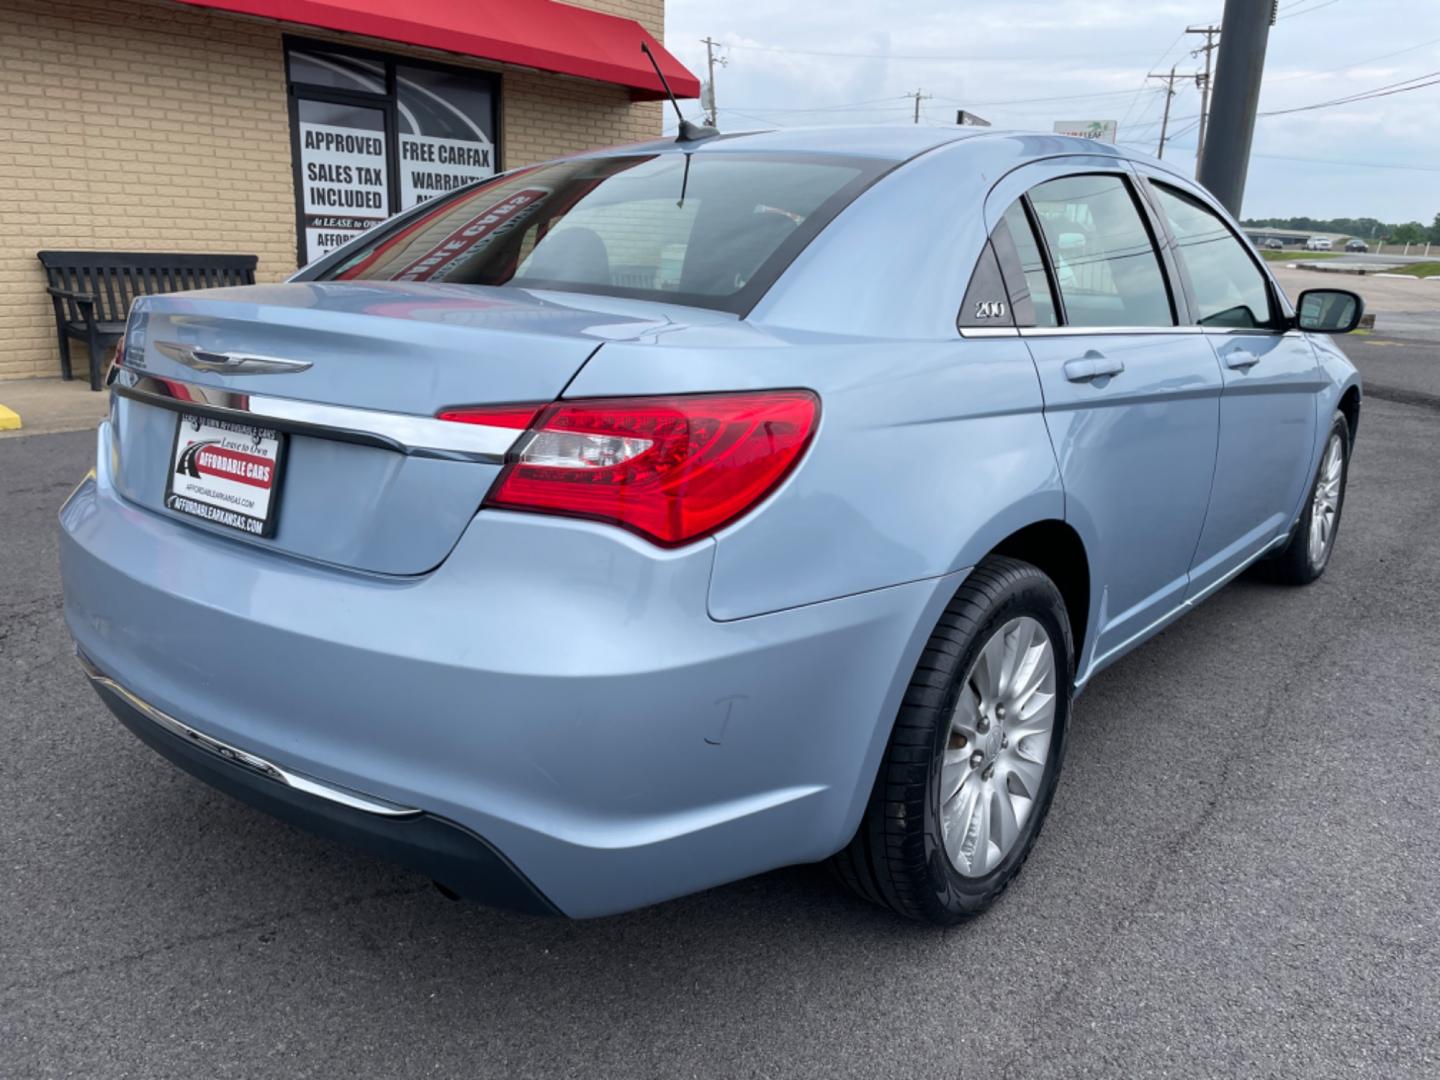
(1362, 270)
(9, 419)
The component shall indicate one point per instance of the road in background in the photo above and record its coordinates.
(1238, 877)
(1400, 358)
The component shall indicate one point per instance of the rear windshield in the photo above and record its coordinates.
(714, 230)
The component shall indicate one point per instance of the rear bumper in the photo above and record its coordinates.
(555, 687)
(449, 853)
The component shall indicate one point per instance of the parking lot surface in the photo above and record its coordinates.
(1238, 877)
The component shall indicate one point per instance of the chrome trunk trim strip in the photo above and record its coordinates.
(244, 758)
(404, 433)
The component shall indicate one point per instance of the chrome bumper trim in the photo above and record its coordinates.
(244, 758)
(404, 433)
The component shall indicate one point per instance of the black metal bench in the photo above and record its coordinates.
(92, 290)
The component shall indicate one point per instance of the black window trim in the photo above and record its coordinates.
(1278, 321)
(1052, 279)
(386, 104)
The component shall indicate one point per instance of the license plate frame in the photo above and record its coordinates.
(224, 487)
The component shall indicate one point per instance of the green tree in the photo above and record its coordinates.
(1434, 234)
(1412, 232)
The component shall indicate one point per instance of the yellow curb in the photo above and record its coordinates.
(9, 419)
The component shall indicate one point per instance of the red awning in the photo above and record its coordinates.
(539, 34)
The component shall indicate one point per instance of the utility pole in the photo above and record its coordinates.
(1165, 119)
(1203, 82)
(919, 96)
(710, 61)
(1245, 32)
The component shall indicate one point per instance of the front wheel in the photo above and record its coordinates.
(1307, 554)
(973, 759)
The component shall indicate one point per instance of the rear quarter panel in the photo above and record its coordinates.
(928, 453)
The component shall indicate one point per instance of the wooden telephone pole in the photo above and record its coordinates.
(1211, 33)
(710, 61)
(1169, 95)
(919, 96)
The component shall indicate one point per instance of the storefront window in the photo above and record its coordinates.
(373, 136)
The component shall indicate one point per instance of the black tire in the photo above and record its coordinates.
(1295, 564)
(897, 858)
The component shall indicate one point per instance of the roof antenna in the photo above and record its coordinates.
(688, 132)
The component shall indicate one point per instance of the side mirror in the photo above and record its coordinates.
(1329, 311)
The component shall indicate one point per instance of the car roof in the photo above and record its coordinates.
(894, 143)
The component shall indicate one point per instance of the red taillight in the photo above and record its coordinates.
(671, 468)
(503, 416)
(116, 359)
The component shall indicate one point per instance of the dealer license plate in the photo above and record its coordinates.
(226, 474)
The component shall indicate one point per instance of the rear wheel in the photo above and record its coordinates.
(972, 762)
(1307, 554)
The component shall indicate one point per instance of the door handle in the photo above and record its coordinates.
(1241, 359)
(1092, 366)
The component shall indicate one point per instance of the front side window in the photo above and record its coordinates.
(1228, 287)
(711, 230)
(1105, 263)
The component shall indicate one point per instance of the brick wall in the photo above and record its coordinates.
(144, 125)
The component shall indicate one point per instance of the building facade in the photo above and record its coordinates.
(161, 125)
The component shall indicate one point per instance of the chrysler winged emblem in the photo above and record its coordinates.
(228, 363)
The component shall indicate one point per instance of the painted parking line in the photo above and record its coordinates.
(9, 419)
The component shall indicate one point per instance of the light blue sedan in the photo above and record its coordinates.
(633, 523)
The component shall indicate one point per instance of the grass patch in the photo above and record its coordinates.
(1425, 269)
(1296, 256)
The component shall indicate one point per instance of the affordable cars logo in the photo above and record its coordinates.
(214, 459)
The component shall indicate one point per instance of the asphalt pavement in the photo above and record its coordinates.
(1238, 878)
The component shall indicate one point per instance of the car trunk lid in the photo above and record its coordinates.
(351, 376)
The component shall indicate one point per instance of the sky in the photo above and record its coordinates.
(1028, 63)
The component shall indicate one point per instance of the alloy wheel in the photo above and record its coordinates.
(1325, 508)
(999, 741)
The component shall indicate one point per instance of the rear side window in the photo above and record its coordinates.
(1105, 262)
(710, 229)
(1228, 287)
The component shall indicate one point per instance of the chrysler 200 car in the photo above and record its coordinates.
(629, 524)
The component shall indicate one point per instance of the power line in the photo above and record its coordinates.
(1356, 64)
(1307, 11)
(851, 106)
(1359, 164)
(1403, 86)
(1144, 85)
(947, 58)
(1030, 101)
(1364, 95)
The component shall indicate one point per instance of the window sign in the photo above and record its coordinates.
(443, 141)
(373, 136)
(344, 174)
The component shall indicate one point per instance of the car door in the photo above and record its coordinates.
(1271, 375)
(1131, 394)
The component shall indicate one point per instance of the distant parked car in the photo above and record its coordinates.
(1317, 243)
(577, 594)
(1274, 245)
(1356, 245)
